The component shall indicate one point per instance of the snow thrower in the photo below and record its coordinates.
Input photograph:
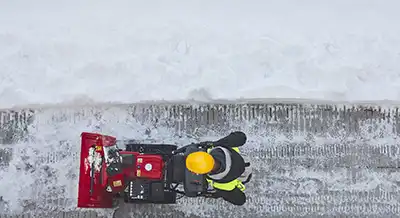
(139, 173)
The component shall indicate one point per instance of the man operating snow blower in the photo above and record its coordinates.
(226, 170)
(155, 173)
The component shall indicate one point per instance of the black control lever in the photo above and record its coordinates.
(205, 145)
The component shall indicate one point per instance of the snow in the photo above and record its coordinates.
(54, 52)
(130, 51)
(59, 175)
(94, 159)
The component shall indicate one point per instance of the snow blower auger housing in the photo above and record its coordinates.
(139, 173)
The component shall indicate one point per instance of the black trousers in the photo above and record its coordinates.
(234, 139)
(236, 196)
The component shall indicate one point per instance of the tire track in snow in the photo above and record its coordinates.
(308, 159)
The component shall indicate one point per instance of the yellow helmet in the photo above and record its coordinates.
(200, 162)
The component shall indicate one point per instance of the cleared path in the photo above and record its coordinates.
(308, 160)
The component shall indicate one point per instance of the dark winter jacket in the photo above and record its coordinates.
(231, 166)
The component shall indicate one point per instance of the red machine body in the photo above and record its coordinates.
(136, 173)
(96, 186)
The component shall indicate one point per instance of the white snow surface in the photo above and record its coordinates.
(54, 52)
(131, 51)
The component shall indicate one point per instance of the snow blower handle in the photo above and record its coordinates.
(206, 144)
(200, 146)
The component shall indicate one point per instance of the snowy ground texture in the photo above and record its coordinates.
(61, 52)
(336, 162)
(130, 51)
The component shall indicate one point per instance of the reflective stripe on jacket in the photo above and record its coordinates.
(229, 186)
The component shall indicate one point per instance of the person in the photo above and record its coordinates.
(225, 169)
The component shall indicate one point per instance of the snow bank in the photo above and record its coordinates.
(130, 51)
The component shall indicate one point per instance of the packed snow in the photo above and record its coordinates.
(54, 52)
(129, 51)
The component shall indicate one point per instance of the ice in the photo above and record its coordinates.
(130, 51)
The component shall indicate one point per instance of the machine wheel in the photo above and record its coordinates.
(177, 169)
(170, 198)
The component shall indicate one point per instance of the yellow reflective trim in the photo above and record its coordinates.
(234, 148)
(229, 186)
(240, 186)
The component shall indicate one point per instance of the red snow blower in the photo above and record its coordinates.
(139, 173)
